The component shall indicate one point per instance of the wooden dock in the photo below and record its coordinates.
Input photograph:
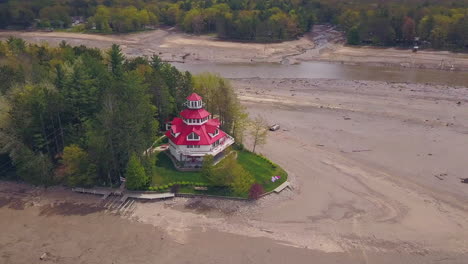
(105, 192)
(282, 187)
(146, 196)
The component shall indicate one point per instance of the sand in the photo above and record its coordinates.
(322, 44)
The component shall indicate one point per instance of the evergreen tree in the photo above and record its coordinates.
(116, 59)
(136, 178)
(353, 36)
(125, 124)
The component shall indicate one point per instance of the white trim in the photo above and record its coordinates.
(195, 139)
(175, 135)
(188, 121)
(214, 134)
(194, 104)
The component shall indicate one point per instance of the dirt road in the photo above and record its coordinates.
(322, 44)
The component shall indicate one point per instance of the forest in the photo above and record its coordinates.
(440, 24)
(80, 116)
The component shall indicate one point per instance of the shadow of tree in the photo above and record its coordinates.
(67, 208)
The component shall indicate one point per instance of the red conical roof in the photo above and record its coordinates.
(194, 97)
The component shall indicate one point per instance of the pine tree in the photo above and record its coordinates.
(116, 59)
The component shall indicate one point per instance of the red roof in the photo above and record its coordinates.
(178, 126)
(194, 97)
(182, 130)
(194, 113)
(213, 122)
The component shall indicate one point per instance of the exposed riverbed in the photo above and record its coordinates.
(375, 157)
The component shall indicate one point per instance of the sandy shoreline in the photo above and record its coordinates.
(375, 168)
(322, 44)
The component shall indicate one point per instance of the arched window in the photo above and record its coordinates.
(193, 137)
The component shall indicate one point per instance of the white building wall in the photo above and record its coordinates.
(176, 150)
(196, 150)
(173, 150)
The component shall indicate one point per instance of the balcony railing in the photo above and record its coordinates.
(228, 140)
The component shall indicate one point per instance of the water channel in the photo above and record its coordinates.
(314, 70)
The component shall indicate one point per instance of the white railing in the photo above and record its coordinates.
(213, 151)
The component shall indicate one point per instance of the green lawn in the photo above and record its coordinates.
(261, 168)
(166, 173)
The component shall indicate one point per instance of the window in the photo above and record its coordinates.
(216, 133)
(193, 146)
(193, 137)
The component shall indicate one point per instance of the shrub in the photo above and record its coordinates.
(175, 188)
(239, 146)
(242, 182)
(256, 191)
(135, 174)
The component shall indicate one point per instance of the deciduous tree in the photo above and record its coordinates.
(258, 132)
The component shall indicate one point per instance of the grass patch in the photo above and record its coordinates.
(166, 173)
(260, 167)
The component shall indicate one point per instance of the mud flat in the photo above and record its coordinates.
(375, 169)
(322, 44)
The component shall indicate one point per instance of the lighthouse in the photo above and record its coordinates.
(195, 134)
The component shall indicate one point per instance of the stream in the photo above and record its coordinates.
(316, 70)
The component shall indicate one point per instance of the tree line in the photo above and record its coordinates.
(80, 116)
(442, 24)
(395, 24)
(438, 23)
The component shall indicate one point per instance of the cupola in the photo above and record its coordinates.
(194, 101)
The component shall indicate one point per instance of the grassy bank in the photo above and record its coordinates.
(259, 167)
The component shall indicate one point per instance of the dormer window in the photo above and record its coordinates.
(174, 134)
(214, 134)
(193, 137)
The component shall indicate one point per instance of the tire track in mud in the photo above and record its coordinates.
(387, 209)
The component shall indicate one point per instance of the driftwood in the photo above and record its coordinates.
(361, 150)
